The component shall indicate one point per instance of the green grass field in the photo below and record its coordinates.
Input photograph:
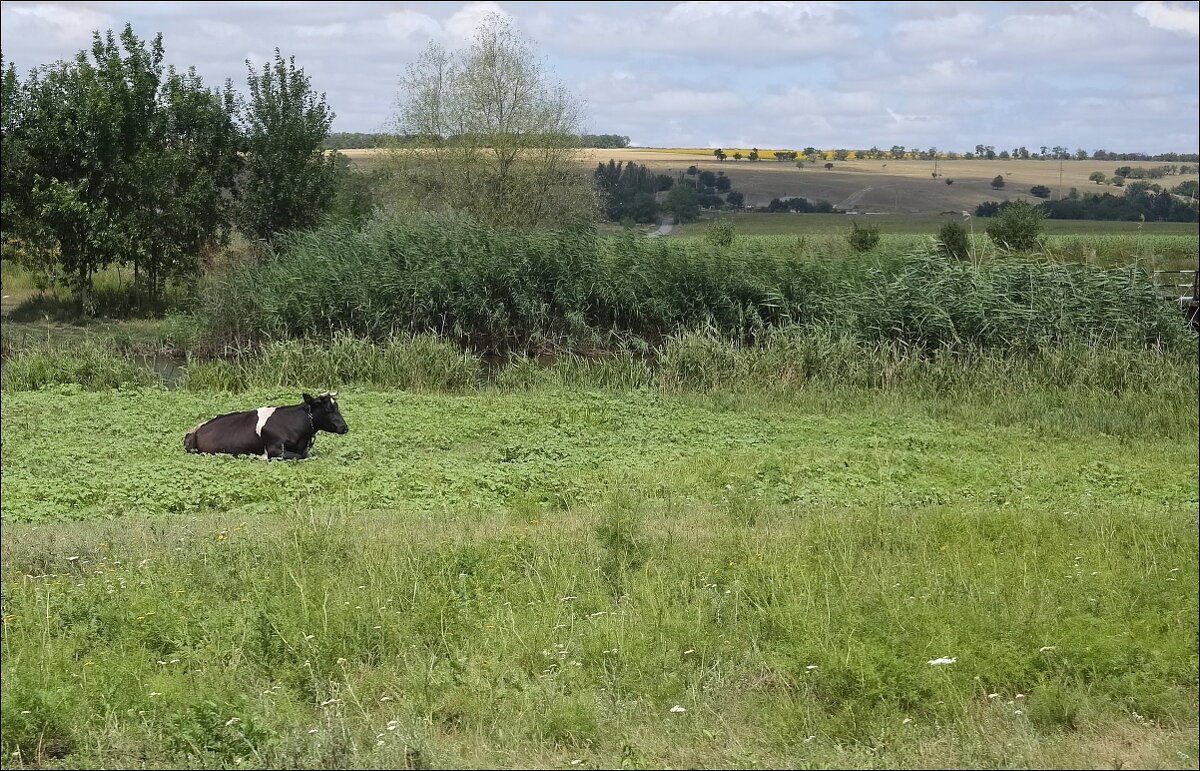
(548, 577)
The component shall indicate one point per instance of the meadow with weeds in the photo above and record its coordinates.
(549, 576)
(611, 503)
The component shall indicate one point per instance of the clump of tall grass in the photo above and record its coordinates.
(93, 364)
(419, 362)
(789, 359)
(572, 291)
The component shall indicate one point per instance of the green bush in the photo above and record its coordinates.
(720, 233)
(863, 239)
(1017, 227)
(953, 241)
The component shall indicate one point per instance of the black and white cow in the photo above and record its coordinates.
(269, 432)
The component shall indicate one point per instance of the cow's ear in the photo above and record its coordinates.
(309, 400)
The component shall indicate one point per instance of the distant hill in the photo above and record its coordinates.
(888, 186)
(881, 186)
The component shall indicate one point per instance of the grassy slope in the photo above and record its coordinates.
(536, 578)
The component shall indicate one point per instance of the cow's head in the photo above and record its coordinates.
(325, 413)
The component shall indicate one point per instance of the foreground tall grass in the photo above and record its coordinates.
(572, 291)
(546, 579)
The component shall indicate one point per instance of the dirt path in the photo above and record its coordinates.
(664, 227)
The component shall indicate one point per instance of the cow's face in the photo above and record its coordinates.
(325, 413)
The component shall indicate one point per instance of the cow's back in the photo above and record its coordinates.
(232, 433)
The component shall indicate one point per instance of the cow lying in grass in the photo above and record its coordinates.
(269, 432)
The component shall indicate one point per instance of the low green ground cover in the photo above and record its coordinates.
(542, 576)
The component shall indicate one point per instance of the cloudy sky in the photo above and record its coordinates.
(1120, 76)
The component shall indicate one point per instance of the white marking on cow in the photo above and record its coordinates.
(263, 414)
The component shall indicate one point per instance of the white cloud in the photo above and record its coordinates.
(745, 33)
(404, 25)
(1170, 16)
(319, 30)
(72, 24)
(939, 33)
(461, 26)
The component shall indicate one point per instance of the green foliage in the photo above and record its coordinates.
(1189, 188)
(94, 365)
(720, 233)
(532, 292)
(683, 202)
(1017, 227)
(506, 149)
(953, 241)
(1098, 177)
(1039, 191)
(289, 181)
(863, 239)
(998, 181)
(627, 191)
(113, 158)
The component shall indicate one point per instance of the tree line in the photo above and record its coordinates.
(1139, 201)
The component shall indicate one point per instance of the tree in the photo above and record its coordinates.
(998, 181)
(828, 166)
(120, 161)
(1098, 177)
(289, 181)
(504, 144)
(684, 203)
(1040, 191)
(735, 199)
(753, 154)
(1017, 226)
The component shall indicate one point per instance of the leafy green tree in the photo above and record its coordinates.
(505, 147)
(628, 191)
(120, 160)
(1039, 191)
(998, 181)
(828, 166)
(1188, 187)
(735, 199)
(737, 155)
(1017, 226)
(723, 183)
(289, 182)
(683, 202)
(1098, 177)
(753, 154)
